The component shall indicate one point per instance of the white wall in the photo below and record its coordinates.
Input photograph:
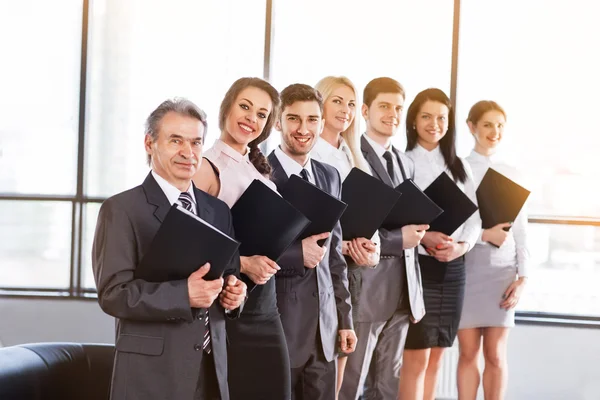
(547, 363)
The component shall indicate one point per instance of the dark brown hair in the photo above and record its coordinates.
(257, 158)
(448, 142)
(300, 92)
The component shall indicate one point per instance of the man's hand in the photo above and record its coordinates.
(202, 293)
(347, 340)
(412, 235)
(233, 293)
(363, 252)
(496, 234)
(311, 251)
(258, 268)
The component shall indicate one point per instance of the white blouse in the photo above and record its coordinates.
(515, 249)
(428, 166)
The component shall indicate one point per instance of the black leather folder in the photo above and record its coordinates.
(184, 243)
(265, 223)
(499, 198)
(321, 208)
(412, 208)
(369, 202)
(456, 204)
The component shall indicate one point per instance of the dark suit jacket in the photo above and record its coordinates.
(382, 288)
(158, 334)
(313, 298)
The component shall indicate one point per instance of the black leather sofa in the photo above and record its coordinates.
(56, 371)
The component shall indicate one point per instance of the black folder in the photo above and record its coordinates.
(184, 243)
(321, 208)
(456, 204)
(500, 199)
(369, 202)
(412, 208)
(265, 223)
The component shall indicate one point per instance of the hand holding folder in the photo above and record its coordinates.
(369, 203)
(265, 223)
(412, 208)
(456, 205)
(184, 242)
(321, 208)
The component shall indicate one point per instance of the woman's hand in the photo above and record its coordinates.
(513, 294)
(435, 240)
(448, 252)
(496, 234)
(363, 252)
(258, 268)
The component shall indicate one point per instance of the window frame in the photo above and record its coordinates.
(79, 201)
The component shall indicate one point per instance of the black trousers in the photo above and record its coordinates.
(208, 386)
(316, 379)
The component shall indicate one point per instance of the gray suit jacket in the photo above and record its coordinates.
(318, 298)
(158, 334)
(383, 288)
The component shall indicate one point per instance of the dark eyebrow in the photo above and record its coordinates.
(252, 104)
(314, 116)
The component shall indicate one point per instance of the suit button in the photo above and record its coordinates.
(197, 347)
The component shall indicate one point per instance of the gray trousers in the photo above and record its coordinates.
(373, 370)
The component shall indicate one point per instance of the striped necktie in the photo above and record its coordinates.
(186, 201)
(304, 174)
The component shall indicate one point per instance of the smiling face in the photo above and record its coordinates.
(384, 115)
(247, 117)
(488, 131)
(177, 150)
(339, 109)
(431, 123)
(300, 126)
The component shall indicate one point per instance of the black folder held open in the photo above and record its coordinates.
(184, 243)
(321, 208)
(412, 208)
(500, 199)
(369, 202)
(265, 223)
(456, 204)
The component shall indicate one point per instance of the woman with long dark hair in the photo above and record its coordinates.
(431, 144)
(259, 366)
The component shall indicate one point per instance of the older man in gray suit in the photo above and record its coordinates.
(170, 336)
(391, 294)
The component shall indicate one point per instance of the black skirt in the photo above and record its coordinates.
(443, 293)
(257, 353)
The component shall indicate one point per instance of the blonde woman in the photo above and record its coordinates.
(338, 146)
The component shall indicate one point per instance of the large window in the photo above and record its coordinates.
(545, 76)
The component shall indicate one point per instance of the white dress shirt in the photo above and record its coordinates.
(515, 249)
(340, 158)
(380, 151)
(173, 193)
(292, 167)
(428, 166)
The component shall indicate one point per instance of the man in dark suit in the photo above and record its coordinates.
(312, 285)
(392, 293)
(170, 336)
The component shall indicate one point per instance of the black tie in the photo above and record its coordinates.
(390, 166)
(186, 201)
(304, 175)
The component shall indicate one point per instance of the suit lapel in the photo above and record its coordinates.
(320, 178)
(156, 197)
(278, 175)
(202, 210)
(399, 160)
(374, 161)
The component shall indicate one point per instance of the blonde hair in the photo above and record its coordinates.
(326, 86)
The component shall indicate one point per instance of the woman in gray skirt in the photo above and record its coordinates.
(495, 271)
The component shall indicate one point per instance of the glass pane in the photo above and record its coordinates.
(564, 271)
(410, 41)
(142, 53)
(89, 228)
(35, 244)
(547, 80)
(39, 95)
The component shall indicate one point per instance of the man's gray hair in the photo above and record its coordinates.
(177, 105)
